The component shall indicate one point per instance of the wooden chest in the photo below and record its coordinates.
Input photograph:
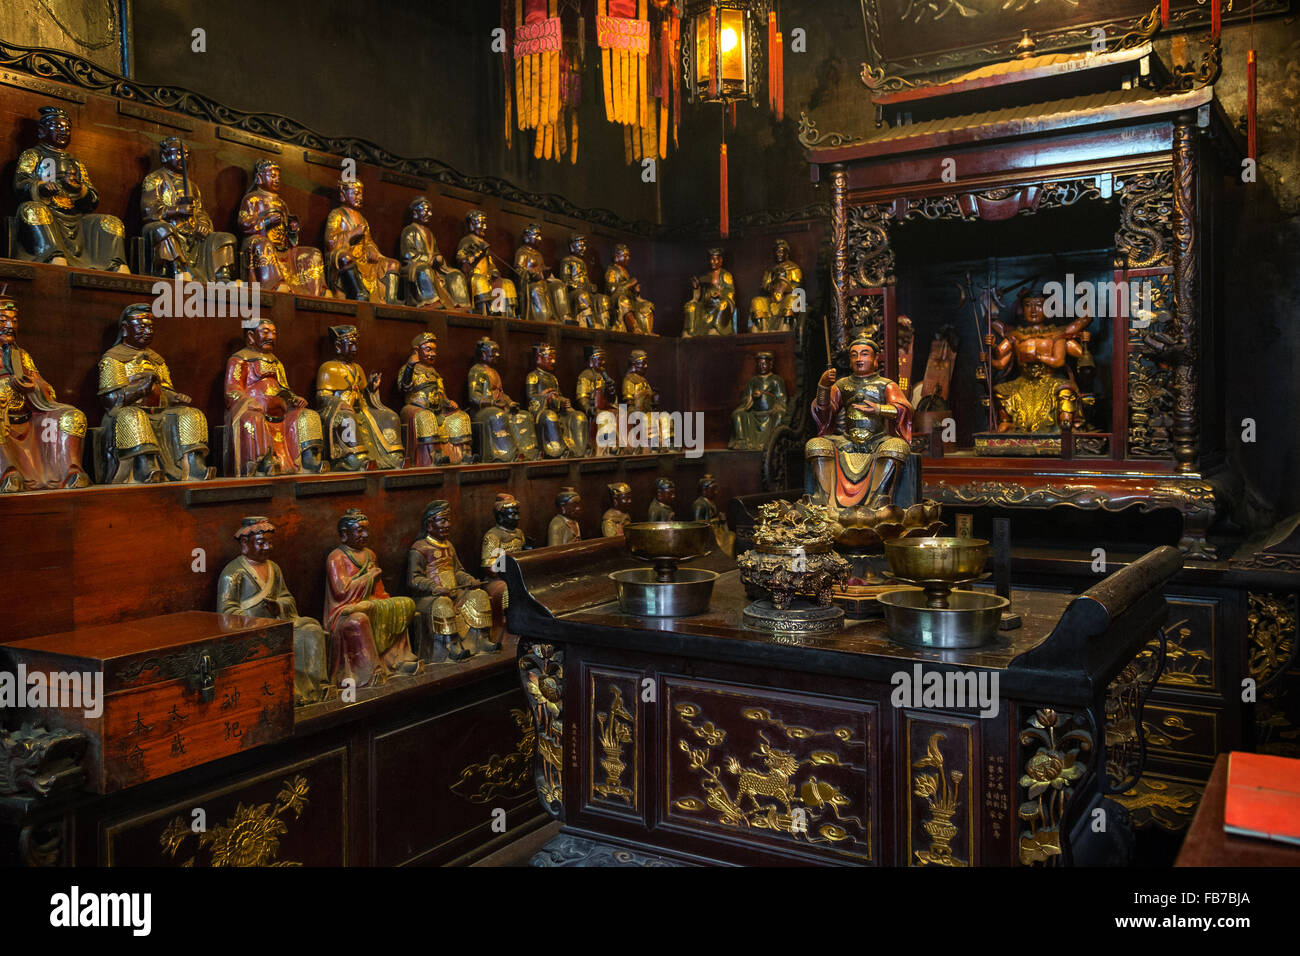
(158, 695)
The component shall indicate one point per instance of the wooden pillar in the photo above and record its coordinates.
(839, 317)
(1187, 288)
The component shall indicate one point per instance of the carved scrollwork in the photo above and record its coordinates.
(810, 135)
(871, 260)
(877, 81)
(541, 671)
(1271, 654)
(1145, 238)
(1142, 31)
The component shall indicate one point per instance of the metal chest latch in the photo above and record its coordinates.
(204, 679)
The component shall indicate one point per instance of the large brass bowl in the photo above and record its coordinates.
(669, 540)
(937, 559)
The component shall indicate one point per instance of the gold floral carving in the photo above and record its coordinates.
(771, 798)
(251, 837)
(1182, 662)
(616, 732)
(506, 776)
(541, 671)
(943, 795)
(1050, 775)
(1270, 653)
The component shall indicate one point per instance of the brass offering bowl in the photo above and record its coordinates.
(969, 619)
(936, 564)
(665, 590)
(666, 543)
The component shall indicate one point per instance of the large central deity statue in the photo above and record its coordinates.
(56, 205)
(864, 430)
(492, 292)
(511, 433)
(177, 227)
(1043, 396)
(272, 254)
(357, 269)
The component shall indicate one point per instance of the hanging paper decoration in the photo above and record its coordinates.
(545, 67)
(639, 74)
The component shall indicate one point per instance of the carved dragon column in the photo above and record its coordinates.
(840, 259)
(1186, 294)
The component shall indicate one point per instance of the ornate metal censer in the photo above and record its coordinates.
(796, 566)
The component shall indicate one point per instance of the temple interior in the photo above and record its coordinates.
(573, 433)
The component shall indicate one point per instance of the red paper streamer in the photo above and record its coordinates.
(1216, 18)
(1164, 13)
(1250, 105)
(713, 53)
(771, 59)
(724, 204)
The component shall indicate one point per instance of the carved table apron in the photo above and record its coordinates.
(695, 740)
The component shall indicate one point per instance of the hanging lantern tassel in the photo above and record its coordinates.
(675, 72)
(1216, 18)
(1250, 105)
(778, 53)
(724, 203)
(771, 60)
(1164, 13)
(713, 53)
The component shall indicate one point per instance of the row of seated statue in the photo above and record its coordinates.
(151, 431)
(57, 223)
(447, 615)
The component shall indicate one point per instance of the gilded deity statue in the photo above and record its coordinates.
(361, 432)
(269, 428)
(369, 631)
(510, 432)
(783, 293)
(561, 428)
(272, 256)
(427, 280)
(564, 528)
(754, 421)
(1043, 396)
(252, 585)
(628, 310)
(492, 292)
(617, 515)
(711, 309)
(176, 226)
(40, 438)
(150, 431)
(588, 307)
(437, 431)
(453, 613)
(664, 507)
(639, 395)
(355, 268)
(57, 222)
(864, 430)
(545, 296)
(595, 393)
(505, 537)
